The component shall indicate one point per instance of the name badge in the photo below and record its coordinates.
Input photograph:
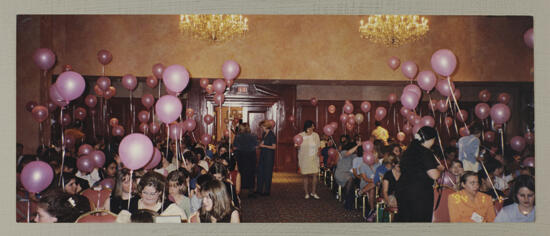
(477, 218)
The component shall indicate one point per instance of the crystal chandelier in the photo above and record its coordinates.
(394, 30)
(216, 28)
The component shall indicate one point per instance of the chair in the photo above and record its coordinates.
(97, 216)
(96, 197)
(498, 206)
(441, 214)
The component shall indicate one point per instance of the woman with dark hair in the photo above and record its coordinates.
(267, 158)
(56, 207)
(308, 158)
(468, 204)
(109, 169)
(178, 190)
(419, 169)
(523, 208)
(219, 172)
(216, 205)
(245, 149)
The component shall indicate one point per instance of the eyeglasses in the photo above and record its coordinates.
(150, 194)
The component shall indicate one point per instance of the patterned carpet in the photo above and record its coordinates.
(287, 204)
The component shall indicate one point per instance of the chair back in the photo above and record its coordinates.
(441, 214)
(97, 198)
(100, 216)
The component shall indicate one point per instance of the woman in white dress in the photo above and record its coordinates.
(308, 158)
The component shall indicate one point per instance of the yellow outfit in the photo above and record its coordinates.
(308, 154)
(380, 133)
(463, 209)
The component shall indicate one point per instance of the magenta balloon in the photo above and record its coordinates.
(409, 100)
(203, 82)
(427, 121)
(426, 80)
(40, 113)
(170, 92)
(108, 183)
(380, 113)
(104, 57)
(51, 106)
(443, 62)
(462, 115)
(298, 139)
(155, 160)
(343, 118)
(484, 95)
(158, 70)
(219, 85)
(113, 122)
(175, 77)
(482, 110)
(529, 162)
(154, 127)
(368, 146)
(529, 138)
(464, 132)
(168, 108)
(449, 121)
(351, 119)
(489, 136)
(313, 101)
(44, 58)
(411, 116)
(416, 127)
(206, 139)
(30, 105)
(230, 69)
(129, 82)
(349, 126)
(328, 130)
(208, 119)
(447, 179)
(151, 81)
(417, 120)
(98, 91)
(392, 98)
(529, 38)
(90, 100)
(348, 108)
(517, 143)
(365, 106)
(143, 116)
(404, 111)
(143, 127)
(369, 158)
(442, 105)
(70, 85)
(458, 94)
(36, 176)
(135, 151)
(118, 131)
(332, 152)
(413, 89)
(219, 98)
(443, 87)
(334, 125)
(85, 164)
(394, 62)
(147, 100)
(432, 105)
(189, 124)
(80, 113)
(98, 158)
(291, 118)
(409, 69)
(103, 83)
(407, 128)
(500, 113)
(66, 119)
(56, 98)
(175, 131)
(503, 98)
(401, 136)
(85, 149)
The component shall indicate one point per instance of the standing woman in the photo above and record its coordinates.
(245, 150)
(308, 158)
(267, 156)
(419, 169)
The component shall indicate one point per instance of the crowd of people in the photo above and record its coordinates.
(192, 182)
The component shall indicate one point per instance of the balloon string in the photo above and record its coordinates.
(502, 140)
(28, 208)
(456, 103)
(394, 118)
(103, 70)
(93, 128)
(368, 122)
(132, 113)
(491, 182)
(130, 192)
(41, 134)
(193, 135)
(437, 132)
(62, 147)
(98, 197)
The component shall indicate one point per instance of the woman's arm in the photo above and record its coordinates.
(235, 217)
(238, 183)
(107, 204)
(366, 179)
(434, 173)
(385, 186)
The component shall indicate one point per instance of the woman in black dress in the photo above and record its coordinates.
(419, 169)
(267, 158)
(245, 151)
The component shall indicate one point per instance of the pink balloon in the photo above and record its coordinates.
(219, 98)
(104, 57)
(409, 100)
(98, 91)
(484, 95)
(529, 138)
(154, 127)
(129, 82)
(90, 101)
(331, 109)
(135, 151)
(443, 87)
(349, 126)
(56, 98)
(411, 116)
(369, 158)
(170, 92)
(209, 89)
(175, 77)
(298, 139)
(44, 58)
(413, 89)
(151, 81)
(482, 110)
(380, 113)
(80, 113)
(143, 127)
(108, 183)
(407, 128)
(443, 62)
(368, 146)
(504, 98)
(230, 69)
(189, 112)
(204, 82)
(40, 113)
(332, 152)
(98, 158)
(208, 119)
(143, 116)
(30, 105)
(404, 111)
(392, 98)
(500, 113)
(343, 118)
(85, 164)
(36, 176)
(417, 120)
(51, 106)
(158, 70)
(426, 80)
(432, 106)
(291, 118)
(334, 125)
(394, 62)
(348, 108)
(85, 149)
(462, 115)
(189, 124)
(219, 86)
(529, 162)
(442, 105)
(118, 131)
(113, 122)
(489, 136)
(447, 179)
(328, 130)
(464, 132)
(155, 160)
(168, 108)
(175, 130)
(103, 83)
(351, 119)
(517, 143)
(416, 127)
(427, 121)
(365, 106)
(401, 136)
(409, 69)
(206, 139)
(448, 121)
(313, 101)
(70, 85)
(458, 94)
(147, 100)
(529, 38)
(66, 119)
(67, 67)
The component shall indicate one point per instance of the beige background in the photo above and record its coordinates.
(8, 66)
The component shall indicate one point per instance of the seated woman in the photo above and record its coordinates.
(57, 206)
(178, 190)
(523, 208)
(216, 205)
(219, 172)
(468, 204)
(389, 183)
(121, 192)
(451, 177)
(109, 169)
(343, 175)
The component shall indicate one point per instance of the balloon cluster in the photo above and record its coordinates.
(89, 158)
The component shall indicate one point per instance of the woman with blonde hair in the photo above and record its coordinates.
(245, 151)
(468, 204)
